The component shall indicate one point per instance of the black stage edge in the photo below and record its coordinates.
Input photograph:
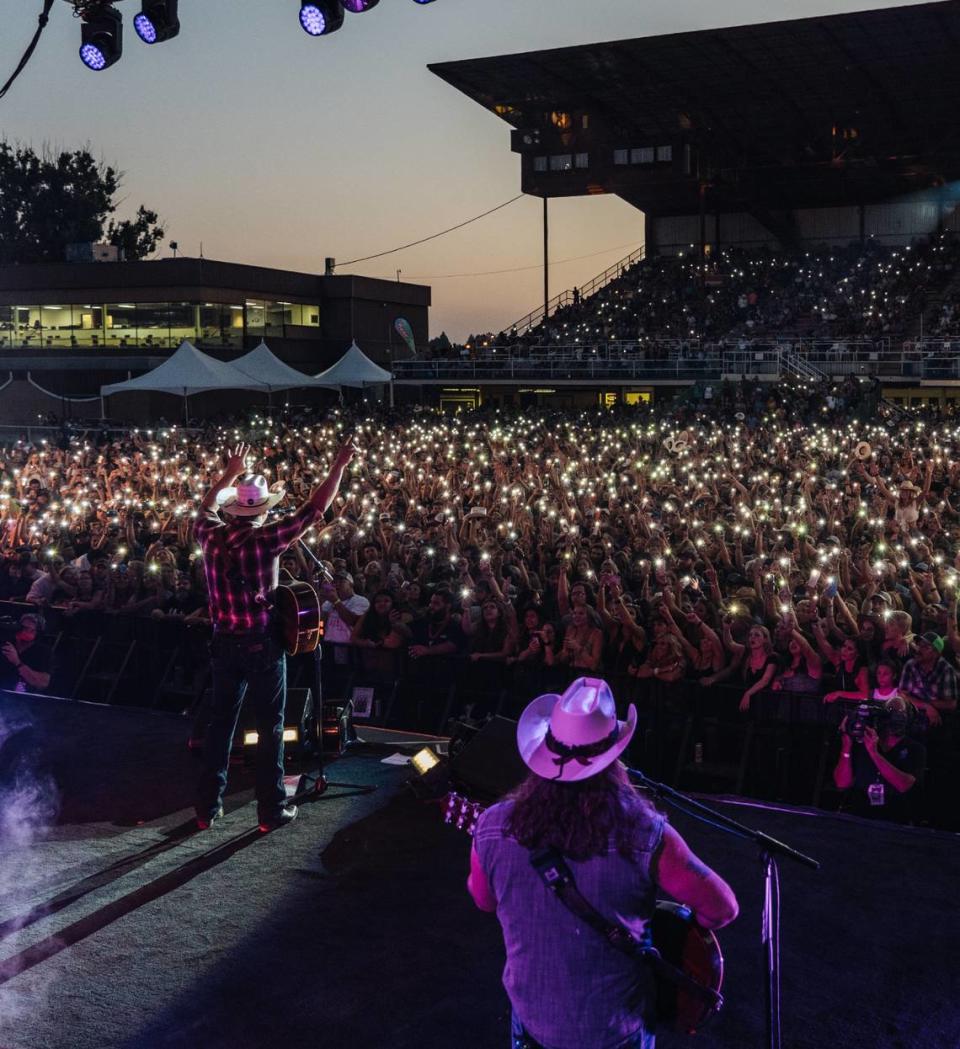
(352, 927)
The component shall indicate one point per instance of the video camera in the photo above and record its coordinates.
(896, 718)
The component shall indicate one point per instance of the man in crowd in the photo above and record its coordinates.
(342, 607)
(241, 554)
(928, 680)
(568, 986)
(26, 661)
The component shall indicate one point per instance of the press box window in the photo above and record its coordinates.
(581, 160)
(539, 163)
(561, 162)
(621, 156)
(664, 154)
(641, 156)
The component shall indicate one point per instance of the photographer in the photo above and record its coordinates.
(25, 666)
(878, 764)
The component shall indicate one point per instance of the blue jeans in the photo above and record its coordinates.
(253, 665)
(519, 1039)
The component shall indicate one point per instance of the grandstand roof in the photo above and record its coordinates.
(813, 111)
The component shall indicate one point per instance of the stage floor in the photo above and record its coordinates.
(352, 927)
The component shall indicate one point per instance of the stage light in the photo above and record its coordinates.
(157, 21)
(291, 734)
(424, 760)
(321, 17)
(101, 37)
(357, 7)
(423, 1)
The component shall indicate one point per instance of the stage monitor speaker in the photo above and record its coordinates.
(489, 764)
(299, 723)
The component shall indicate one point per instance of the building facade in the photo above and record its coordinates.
(67, 329)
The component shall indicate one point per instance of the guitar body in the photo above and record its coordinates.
(298, 615)
(694, 951)
(674, 933)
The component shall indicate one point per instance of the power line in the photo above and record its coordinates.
(521, 269)
(433, 236)
(42, 19)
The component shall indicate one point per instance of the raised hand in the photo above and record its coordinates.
(237, 459)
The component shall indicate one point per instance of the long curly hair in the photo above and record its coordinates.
(579, 819)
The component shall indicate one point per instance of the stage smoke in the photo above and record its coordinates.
(29, 804)
(29, 801)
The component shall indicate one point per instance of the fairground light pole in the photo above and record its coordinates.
(770, 849)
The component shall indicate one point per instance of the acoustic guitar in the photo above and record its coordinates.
(690, 952)
(297, 608)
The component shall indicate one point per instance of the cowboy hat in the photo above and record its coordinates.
(250, 498)
(574, 736)
(863, 450)
(908, 486)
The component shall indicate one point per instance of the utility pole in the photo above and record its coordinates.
(546, 260)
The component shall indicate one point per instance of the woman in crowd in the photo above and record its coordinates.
(381, 626)
(582, 643)
(802, 668)
(849, 664)
(492, 640)
(757, 661)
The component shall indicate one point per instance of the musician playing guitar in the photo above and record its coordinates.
(568, 987)
(241, 554)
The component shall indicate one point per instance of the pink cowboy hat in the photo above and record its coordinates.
(576, 735)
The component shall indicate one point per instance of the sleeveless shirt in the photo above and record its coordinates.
(567, 985)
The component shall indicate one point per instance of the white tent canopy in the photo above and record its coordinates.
(264, 365)
(186, 372)
(354, 369)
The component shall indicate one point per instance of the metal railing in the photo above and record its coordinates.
(567, 298)
(550, 369)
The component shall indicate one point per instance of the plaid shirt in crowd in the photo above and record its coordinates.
(940, 684)
(242, 565)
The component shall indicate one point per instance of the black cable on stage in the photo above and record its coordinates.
(42, 18)
(433, 236)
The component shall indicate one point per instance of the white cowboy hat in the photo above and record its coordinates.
(574, 736)
(250, 498)
(863, 450)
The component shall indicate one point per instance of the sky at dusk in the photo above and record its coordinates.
(275, 149)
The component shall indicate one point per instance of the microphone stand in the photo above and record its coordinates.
(770, 849)
(319, 571)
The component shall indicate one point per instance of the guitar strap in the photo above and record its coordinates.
(558, 878)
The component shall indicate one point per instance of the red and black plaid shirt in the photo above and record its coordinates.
(242, 566)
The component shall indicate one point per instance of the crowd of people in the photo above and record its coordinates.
(866, 292)
(766, 538)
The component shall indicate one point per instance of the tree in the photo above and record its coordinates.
(48, 201)
(440, 343)
(139, 238)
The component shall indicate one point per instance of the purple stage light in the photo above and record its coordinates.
(312, 20)
(92, 57)
(357, 7)
(322, 17)
(157, 21)
(423, 1)
(146, 30)
(101, 38)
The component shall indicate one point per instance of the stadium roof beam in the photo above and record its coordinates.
(849, 109)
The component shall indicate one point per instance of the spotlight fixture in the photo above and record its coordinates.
(101, 37)
(357, 7)
(157, 21)
(423, 1)
(321, 17)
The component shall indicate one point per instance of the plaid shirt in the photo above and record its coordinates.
(242, 565)
(940, 684)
